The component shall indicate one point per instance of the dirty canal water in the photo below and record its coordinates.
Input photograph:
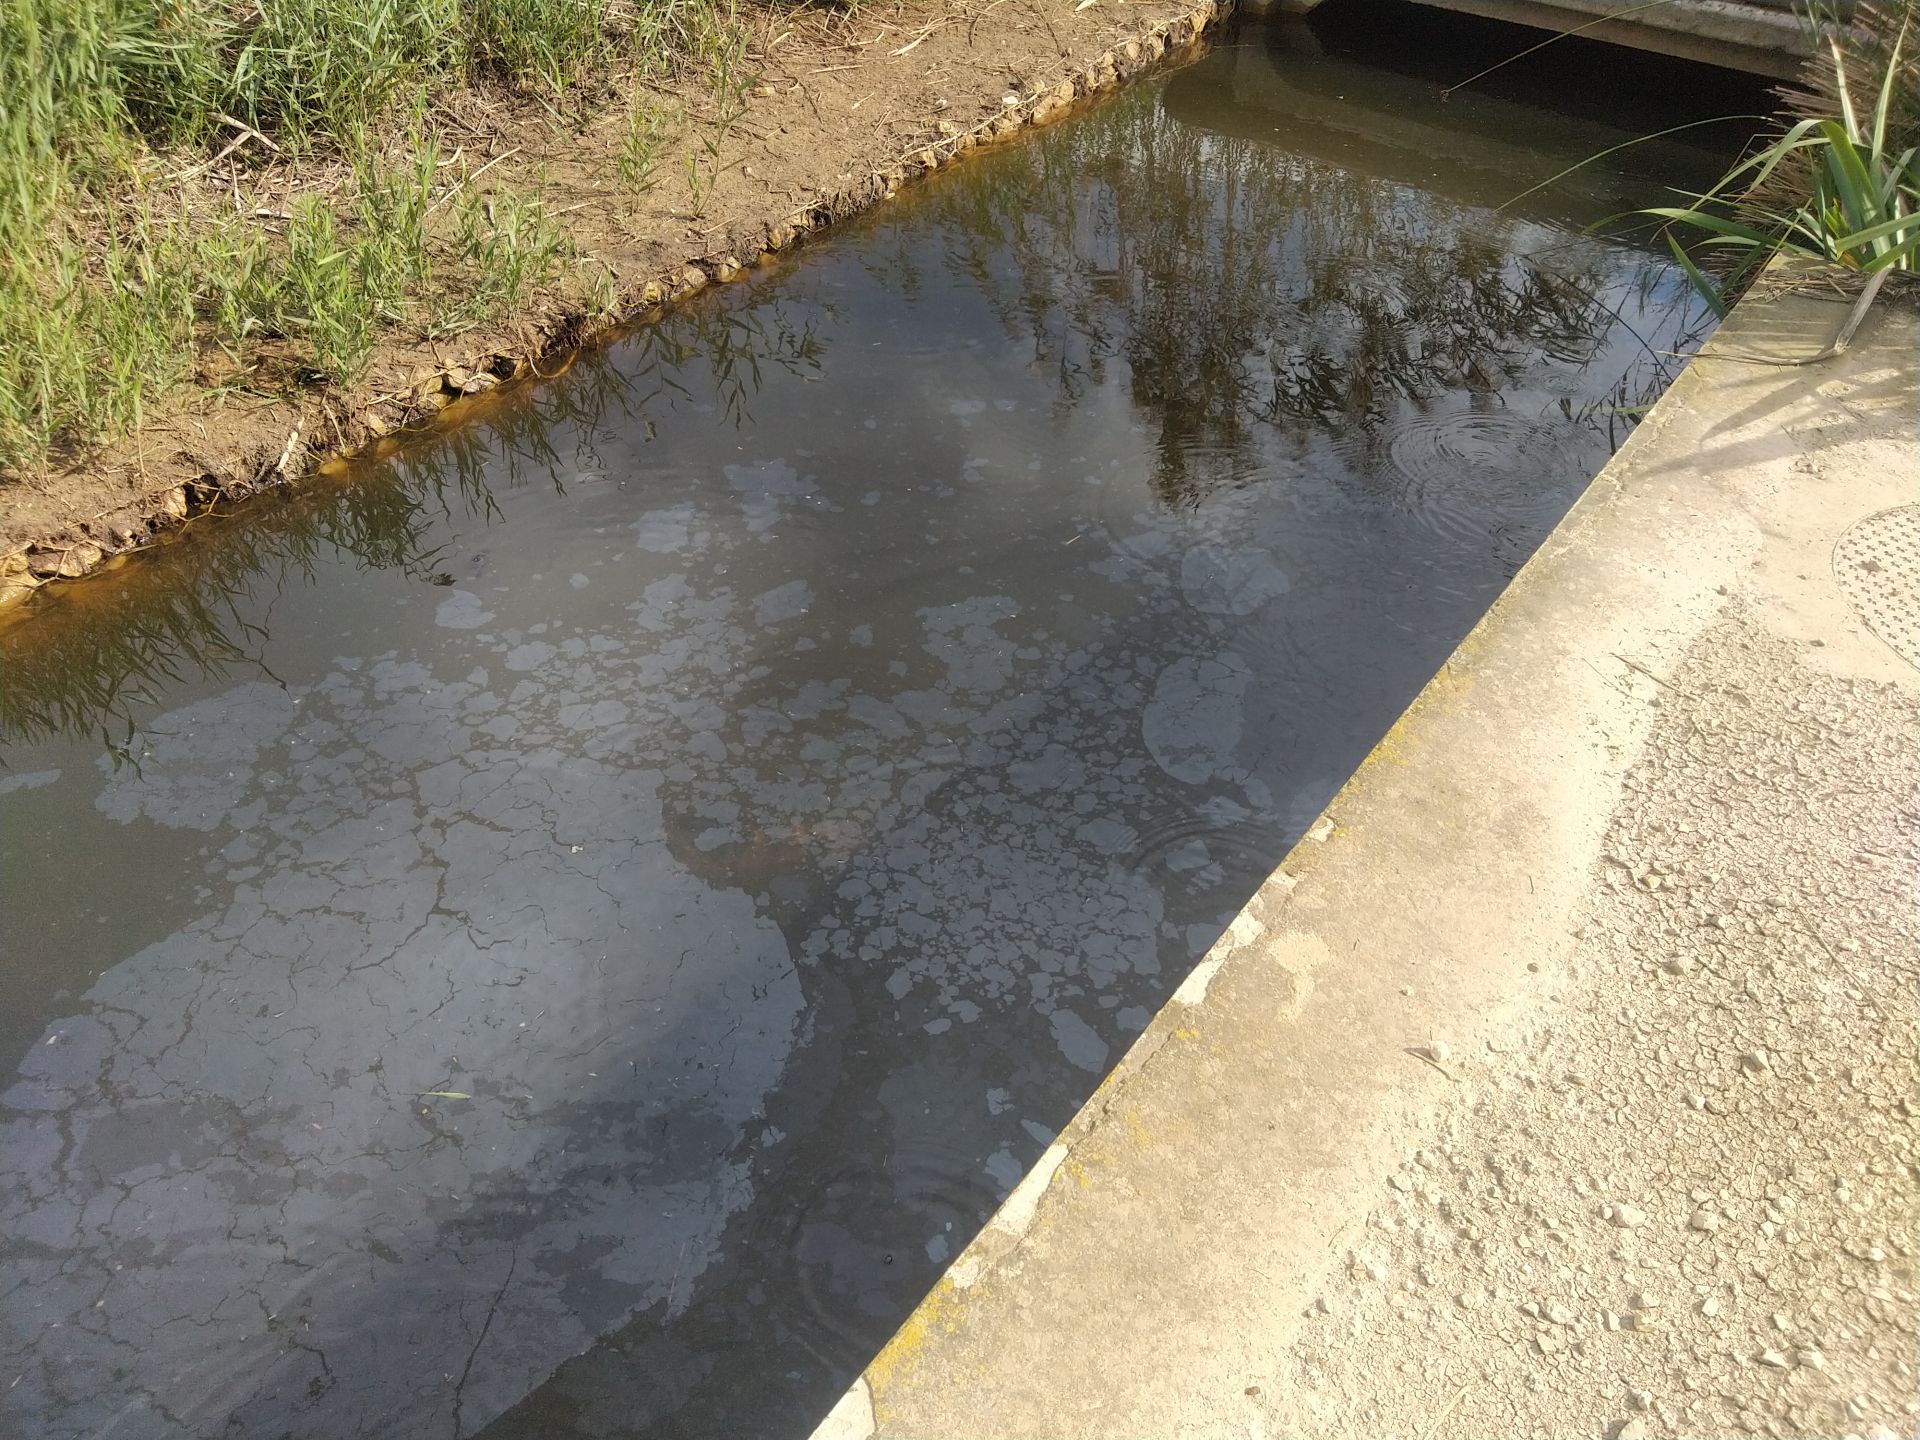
(566, 931)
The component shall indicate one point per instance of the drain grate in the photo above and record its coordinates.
(1877, 563)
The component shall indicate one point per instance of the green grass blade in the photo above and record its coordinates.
(1841, 87)
(1885, 101)
(1873, 234)
(1558, 176)
(1852, 186)
(1708, 291)
(1803, 136)
(1716, 224)
(1902, 256)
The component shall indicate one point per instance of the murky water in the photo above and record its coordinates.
(567, 931)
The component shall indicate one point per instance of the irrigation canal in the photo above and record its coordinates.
(566, 930)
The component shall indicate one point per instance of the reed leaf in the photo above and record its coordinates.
(1826, 187)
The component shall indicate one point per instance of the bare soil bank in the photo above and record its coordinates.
(849, 107)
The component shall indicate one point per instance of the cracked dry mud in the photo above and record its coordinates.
(1685, 1204)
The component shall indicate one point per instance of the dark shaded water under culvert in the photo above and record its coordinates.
(567, 930)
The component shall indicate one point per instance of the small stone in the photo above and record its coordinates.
(1772, 1359)
(1625, 1216)
(1640, 1399)
(1643, 1301)
(1704, 1221)
(1780, 1321)
(1550, 1342)
(1634, 1429)
(68, 562)
(1710, 1307)
(1470, 1299)
(1756, 1061)
(1321, 830)
(1810, 1359)
(1559, 1314)
(1677, 965)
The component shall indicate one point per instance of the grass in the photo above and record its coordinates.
(722, 52)
(647, 132)
(508, 245)
(123, 272)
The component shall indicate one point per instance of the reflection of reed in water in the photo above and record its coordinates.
(733, 336)
(89, 656)
(1247, 288)
(85, 659)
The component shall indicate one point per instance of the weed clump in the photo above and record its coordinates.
(125, 269)
(1840, 183)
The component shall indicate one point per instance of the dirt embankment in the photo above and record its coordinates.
(847, 108)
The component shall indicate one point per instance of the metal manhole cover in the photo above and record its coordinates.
(1877, 563)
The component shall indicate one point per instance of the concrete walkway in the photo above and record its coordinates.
(1561, 1082)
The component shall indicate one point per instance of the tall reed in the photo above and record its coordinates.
(1841, 183)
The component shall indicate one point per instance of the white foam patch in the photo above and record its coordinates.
(462, 610)
(1225, 581)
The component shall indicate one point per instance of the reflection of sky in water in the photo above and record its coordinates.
(608, 985)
